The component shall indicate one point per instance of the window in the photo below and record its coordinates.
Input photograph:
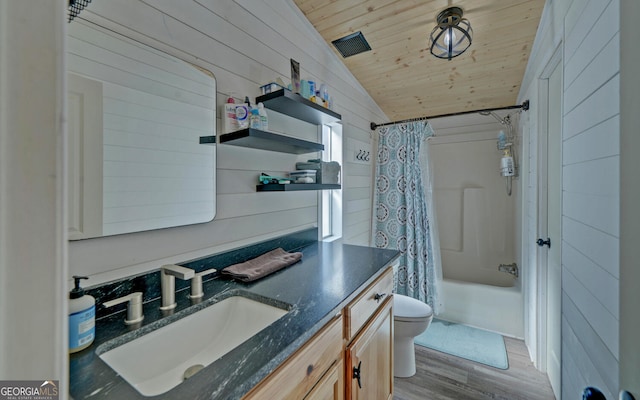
(331, 209)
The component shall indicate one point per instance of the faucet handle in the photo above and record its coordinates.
(134, 308)
(178, 271)
(196, 283)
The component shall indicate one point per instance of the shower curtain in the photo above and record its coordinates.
(404, 217)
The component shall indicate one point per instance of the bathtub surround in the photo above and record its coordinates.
(494, 308)
(481, 218)
(401, 215)
(481, 229)
(322, 283)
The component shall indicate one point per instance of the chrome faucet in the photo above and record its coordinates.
(168, 275)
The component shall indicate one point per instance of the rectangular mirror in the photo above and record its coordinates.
(135, 116)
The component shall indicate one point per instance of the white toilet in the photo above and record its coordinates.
(411, 318)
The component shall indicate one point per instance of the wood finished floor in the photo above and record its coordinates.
(442, 376)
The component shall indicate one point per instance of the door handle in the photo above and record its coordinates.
(541, 242)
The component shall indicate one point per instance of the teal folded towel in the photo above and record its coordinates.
(262, 265)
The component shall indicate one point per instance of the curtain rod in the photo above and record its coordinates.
(524, 106)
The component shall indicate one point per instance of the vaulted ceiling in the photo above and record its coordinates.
(401, 74)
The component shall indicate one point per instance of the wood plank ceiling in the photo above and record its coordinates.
(401, 74)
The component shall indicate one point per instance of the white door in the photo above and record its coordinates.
(554, 229)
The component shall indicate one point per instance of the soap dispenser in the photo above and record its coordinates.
(82, 317)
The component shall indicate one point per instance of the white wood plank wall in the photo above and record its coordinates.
(245, 43)
(588, 32)
(591, 187)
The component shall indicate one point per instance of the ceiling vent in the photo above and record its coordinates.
(351, 45)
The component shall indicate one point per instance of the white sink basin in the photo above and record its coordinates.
(156, 362)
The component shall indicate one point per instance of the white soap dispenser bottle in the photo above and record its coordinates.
(264, 121)
(82, 317)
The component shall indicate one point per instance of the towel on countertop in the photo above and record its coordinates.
(262, 265)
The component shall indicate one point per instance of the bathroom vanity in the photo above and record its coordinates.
(334, 341)
(317, 369)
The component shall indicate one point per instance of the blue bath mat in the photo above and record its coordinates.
(466, 342)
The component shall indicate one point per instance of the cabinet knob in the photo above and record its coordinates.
(356, 374)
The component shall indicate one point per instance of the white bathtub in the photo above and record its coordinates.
(494, 308)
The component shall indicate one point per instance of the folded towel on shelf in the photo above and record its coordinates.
(262, 265)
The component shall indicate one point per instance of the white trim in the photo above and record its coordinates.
(629, 198)
(33, 249)
(84, 156)
(333, 152)
(541, 220)
(541, 204)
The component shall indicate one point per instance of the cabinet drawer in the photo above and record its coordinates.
(300, 372)
(362, 308)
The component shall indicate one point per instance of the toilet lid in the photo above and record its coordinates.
(406, 308)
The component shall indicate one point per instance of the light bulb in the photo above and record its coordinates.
(449, 37)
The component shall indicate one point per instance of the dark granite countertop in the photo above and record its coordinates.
(317, 288)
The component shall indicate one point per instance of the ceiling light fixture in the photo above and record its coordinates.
(452, 36)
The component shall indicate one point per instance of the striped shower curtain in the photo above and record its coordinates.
(403, 213)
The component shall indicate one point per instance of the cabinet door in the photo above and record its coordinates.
(370, 357)
(331, 386)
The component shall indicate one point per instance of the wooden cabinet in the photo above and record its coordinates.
(369, 336)
(323, 369)
(298, 375)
